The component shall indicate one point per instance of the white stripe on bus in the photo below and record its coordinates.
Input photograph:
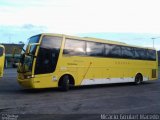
(109, 80)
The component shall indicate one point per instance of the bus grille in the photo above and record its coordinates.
(153, 73)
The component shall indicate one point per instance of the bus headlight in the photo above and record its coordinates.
(28, 76)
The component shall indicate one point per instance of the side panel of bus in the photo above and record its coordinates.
(93, 70)
(90, 70)
(2, 57)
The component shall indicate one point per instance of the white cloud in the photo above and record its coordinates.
(15, 34)
(84, 16)
(76, 16)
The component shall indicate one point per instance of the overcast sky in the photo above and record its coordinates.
(131, 21)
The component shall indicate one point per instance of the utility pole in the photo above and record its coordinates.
(153, 39)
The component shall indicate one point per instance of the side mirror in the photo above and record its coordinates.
(31, 48)
(22, 58)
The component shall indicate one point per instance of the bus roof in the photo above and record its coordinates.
(96, 40)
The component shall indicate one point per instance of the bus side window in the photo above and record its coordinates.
(141, 54)
(151, 54)
(116, 51)
(137, 53)
(95, 49)
(74, 47)
(107, 50)
(128, 52)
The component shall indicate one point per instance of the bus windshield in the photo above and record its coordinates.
(27, 60)
(48, 53)
(34, 39)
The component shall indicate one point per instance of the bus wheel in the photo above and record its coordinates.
(64, 86)
(138, 79)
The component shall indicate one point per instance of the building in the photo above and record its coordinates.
(12, 52)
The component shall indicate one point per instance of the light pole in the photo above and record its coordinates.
(154, 39)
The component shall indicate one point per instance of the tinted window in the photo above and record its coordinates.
(48, 55)
(108, 49)
(1, 51)
(95, 49)
(127, 52)
(74, 47)
(140, 53)
(51, 42)
(151, 54)
(112, 51)
(34, 39)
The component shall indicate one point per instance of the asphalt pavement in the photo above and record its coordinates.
(86, 102)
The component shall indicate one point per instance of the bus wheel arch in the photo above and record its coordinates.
(65, 82)
(138, 79)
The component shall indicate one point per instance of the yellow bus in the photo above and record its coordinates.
(56, 60)
(2, 57)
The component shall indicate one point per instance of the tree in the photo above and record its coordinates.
(21, 42)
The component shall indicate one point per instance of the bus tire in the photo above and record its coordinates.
(65, 83)
(138, 79)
